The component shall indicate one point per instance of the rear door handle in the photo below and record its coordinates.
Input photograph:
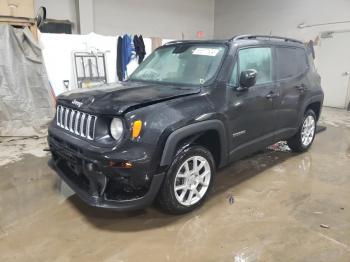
(301, 87)
(271, 95)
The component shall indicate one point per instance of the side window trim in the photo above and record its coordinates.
(235, 61)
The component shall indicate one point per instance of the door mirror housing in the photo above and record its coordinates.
(40, 16)
(248, 78)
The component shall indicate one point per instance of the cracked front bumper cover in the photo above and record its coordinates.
(101, 201)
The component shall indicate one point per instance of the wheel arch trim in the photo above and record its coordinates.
(311, 100)
(175, 137)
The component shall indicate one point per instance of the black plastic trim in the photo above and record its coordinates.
(181, 133)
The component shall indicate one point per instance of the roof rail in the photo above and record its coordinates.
(174, 42)
(268, 37)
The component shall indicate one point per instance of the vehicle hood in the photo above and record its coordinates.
(117, 98)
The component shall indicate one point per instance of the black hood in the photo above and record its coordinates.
(117, 98)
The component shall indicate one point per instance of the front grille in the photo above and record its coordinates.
(79, 123)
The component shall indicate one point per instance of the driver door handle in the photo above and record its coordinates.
(271, 95)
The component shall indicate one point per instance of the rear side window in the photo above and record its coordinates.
(291, 62)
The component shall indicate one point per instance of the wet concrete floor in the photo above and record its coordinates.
(273, 206)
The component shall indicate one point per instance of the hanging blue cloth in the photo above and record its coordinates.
(126, 53)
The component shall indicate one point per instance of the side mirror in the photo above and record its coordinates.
(248, 78)
(40, 16)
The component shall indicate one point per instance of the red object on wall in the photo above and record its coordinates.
(200, 34)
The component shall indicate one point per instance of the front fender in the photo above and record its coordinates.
(192, 129)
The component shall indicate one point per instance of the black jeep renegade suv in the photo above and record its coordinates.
(188, 109)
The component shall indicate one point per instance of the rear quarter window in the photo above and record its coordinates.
(291, 62)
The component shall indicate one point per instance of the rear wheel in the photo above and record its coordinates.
(301, 141)
(188, 180)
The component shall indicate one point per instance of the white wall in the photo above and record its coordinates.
(151, 18)
(60, 9)
(279, 16)
(171, 18)
(86, 16)
(155, 18)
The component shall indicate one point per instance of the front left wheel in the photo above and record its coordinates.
(188, 180)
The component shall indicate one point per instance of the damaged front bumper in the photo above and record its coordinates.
(96, 183)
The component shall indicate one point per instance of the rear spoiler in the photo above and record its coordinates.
(310, 48)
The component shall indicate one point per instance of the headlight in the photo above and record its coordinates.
(116, 128)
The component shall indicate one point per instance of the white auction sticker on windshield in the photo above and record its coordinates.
(205, 51)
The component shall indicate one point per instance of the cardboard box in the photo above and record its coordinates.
(17, 8)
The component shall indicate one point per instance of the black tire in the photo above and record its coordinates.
(295, 143)
(166, 197)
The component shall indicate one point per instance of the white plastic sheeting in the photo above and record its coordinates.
(58, 52)
(25, 97)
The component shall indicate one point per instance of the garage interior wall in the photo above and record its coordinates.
(159, 18)
(153, 18)
(216, 18)
(280, 17)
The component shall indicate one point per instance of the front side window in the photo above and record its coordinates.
(193, 64)
(257, 58)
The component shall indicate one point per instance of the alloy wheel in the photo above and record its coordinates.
(308, 130)
(192, 180)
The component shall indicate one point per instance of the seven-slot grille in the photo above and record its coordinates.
(76, 122)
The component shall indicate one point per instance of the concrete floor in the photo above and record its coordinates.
(268, 207)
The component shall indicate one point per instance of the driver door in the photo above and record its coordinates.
(250, 110)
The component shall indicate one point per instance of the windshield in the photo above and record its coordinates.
(193, 64)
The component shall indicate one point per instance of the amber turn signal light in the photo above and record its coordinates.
(122, 164)
(136, 129)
